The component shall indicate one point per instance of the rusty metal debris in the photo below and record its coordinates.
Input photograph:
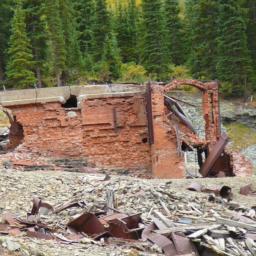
(248, 190)
(149, 114)
(163, 242)
(40, 207)
(214, 155)
(176, 244)
(116, 225)
(87, 223)
(185, 226)
(223, 191)
(73, 203)
(173, 106)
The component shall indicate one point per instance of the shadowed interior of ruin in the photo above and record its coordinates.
(71, 102)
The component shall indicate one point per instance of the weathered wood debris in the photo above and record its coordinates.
(174, 225)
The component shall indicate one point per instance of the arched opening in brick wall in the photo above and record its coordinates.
(202, 129)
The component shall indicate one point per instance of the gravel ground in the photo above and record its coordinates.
(133, 195)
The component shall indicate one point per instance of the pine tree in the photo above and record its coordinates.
(36, 26)
(202, 59)
(174, 34)
(127, 31)
(86, 21)
(154, 49)
(234, 63)
(111, 56)
(20, 64)
(101, 28)
(5, 20)
(251, 31)
(57, 56)
(189, 20)
(70, 33)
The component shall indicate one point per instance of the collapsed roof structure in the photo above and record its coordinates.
(122, 126)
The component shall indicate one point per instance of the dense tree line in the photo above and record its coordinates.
(55, 42)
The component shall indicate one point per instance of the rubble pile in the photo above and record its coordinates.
(147, 216)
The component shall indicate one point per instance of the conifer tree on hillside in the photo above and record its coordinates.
(233, 63)
(5, 21)
(20, 63)
(111, 57)
(56, 42)
(154, 55)
(36, 26)
(251, 30)
(189, 20)
(127, 31)
(174, 36)
(86, 20)
(70, 32)
(102, 28)
(203, 48)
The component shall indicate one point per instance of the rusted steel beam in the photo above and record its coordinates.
(215, 153)
(149, 114)
(179, 113)
(173, 102)
(184, 102)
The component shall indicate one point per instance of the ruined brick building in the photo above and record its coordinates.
(119, 126)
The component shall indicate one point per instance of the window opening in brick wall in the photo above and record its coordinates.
(71, 102)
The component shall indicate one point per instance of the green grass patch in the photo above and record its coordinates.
(241, 136)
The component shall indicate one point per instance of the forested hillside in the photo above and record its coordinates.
(57, 42)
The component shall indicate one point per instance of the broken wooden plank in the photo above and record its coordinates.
(235, 223)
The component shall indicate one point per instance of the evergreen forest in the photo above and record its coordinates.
(46, 43)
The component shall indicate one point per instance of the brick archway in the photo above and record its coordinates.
(210, 105)
(175, 84)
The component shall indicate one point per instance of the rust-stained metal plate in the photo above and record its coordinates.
(87, 223)
(132, 221)
(12, 220)
(183, 245)
(213, 156)
(126, 227)
(7, 230)
(118, 228)
(39, 205)
(31, 232)
(247, 190)
(4, 228)
(163, 242)
(105, 219)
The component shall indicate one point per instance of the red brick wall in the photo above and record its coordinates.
(109, 132)
(166, 163)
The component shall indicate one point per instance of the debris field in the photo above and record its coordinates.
(62, 213)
